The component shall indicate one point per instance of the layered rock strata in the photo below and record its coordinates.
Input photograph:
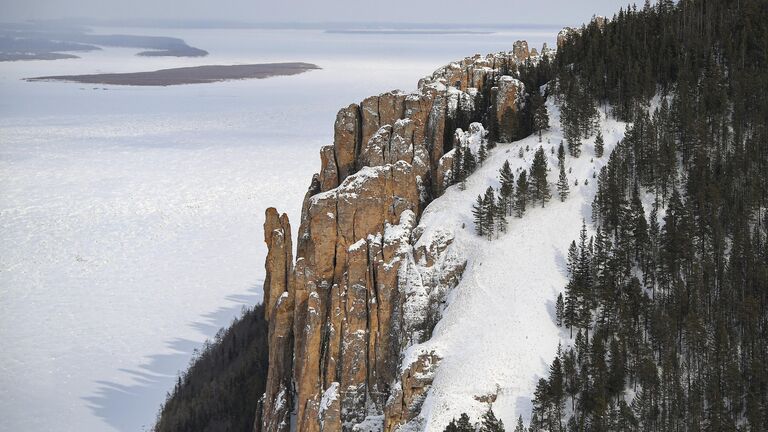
(365, 284)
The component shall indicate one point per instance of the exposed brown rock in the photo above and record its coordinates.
(414, 384)
(443, 174)
(346, 139)
(330, 409)
(365, 280)
(520, 50)
(564, 34)
(329, 173)
(372, 153)
(507, 100)
(381, 110)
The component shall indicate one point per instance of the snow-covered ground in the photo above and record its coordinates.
(130, 218)
(498, 335)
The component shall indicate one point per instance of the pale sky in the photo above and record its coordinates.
(421, 11)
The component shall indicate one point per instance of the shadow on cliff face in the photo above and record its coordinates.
(117, 404)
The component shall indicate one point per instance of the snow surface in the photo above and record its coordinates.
(498, 335)
(131, 217)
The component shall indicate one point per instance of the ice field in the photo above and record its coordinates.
(131, 217)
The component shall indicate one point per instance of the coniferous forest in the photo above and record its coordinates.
(668, 293)
(222, 387)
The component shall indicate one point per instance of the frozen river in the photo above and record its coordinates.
(131, 217)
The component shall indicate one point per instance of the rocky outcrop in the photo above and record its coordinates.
(520, 51)
(409, 395)
(600, 21)
(366, 283)
(279, 305)
(564, 34)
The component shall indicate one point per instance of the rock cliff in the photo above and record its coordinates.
(366, 284)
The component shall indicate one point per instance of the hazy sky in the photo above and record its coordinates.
(430, 11)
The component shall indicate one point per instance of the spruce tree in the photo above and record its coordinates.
(556, 387)
(508, 129)
(540, 115)
(456, 166)
(482, 153)
(489, 212)
(507, 189)
(478, 216)
(469, 163)
(561, 154)
(461, 425)
(559, 310)
(639, 225)
(574, 145)
(521, 195)
(539, 186)
(562, 184)
(571, 307)
(599, 144)
(520, 426)
(500, 216)
(490, 423)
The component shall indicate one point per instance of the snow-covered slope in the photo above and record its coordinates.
(497, 335)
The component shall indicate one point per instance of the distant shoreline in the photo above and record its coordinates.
(412, 32)
(28, 42)
(187, 75)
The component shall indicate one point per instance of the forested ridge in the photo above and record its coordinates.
(666, 302)
(225, 380)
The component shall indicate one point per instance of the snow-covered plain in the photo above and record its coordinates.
(131, 217)
(498, 335)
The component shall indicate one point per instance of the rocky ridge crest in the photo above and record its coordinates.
(366, 284)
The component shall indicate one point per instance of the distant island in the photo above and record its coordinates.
(187, 75)
(31, 42)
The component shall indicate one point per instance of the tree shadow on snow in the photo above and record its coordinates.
(560, 260)
(132, 408)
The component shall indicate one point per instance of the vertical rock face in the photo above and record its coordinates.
(507, 104)
(520, 51)
(346, 140)
(279, 305)
(366, 284)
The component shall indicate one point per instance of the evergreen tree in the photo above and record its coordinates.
(521, 195)
(468, 165)
(539, 186)
(482, 153)
(508, 129)
(540, 116)
(500, 216)
(520, 426)
(561, 155)
(457, 165)
(599, 144)
(556, 396)
(461, 425)
(574, 144)
(489, 213)
(559, 310)
(570, 312)
(478, 216)
(562, 184)
(490, 423)
(507, 189)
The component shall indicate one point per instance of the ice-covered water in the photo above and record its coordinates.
(131, 217)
